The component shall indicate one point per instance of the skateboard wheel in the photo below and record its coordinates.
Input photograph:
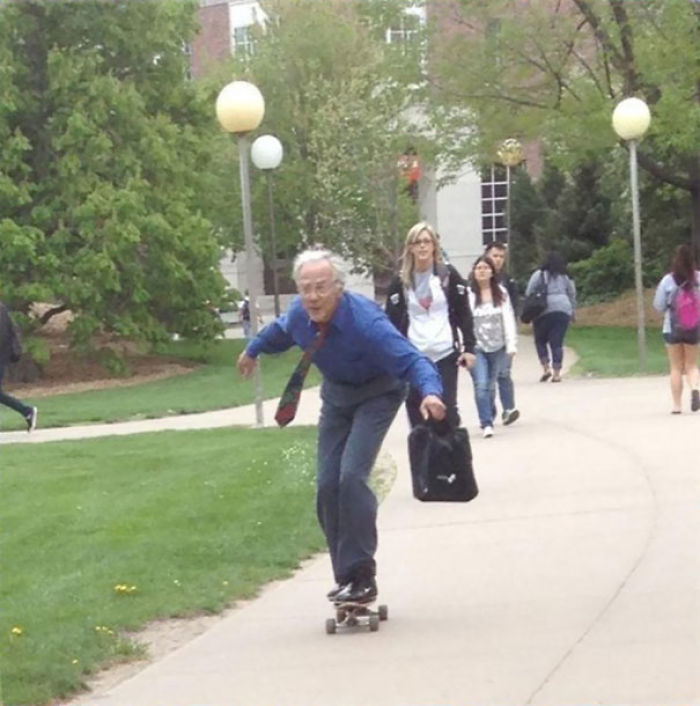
(330, 626)
(373, 623)
(383, 612)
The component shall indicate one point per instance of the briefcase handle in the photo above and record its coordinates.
(441, 428)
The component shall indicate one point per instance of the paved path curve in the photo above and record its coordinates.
(571, 579)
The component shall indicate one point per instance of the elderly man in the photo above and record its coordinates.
(365, 363)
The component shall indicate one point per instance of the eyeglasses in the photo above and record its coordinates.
(422, 241)
(321, 289)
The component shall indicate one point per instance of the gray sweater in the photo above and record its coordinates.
(561, 292)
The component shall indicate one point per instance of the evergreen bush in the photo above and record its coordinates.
(608, 272)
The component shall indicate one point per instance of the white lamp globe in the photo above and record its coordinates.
(631, 118)
(266, 152)
(240, 107)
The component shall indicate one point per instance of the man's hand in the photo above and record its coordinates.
(466, 360)
(432, 406)
(245, 365)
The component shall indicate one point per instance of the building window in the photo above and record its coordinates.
(494, 204)
(243, 42)
(406, 29)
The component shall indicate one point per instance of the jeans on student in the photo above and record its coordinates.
(484, 373)
(448, 369)
(506, 391)
(353, 423)
(12, 402)
(549, 330)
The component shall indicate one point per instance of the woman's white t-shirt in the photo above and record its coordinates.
(428, 317)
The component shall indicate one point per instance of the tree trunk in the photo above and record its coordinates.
(695, 205)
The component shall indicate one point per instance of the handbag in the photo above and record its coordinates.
(535, 302)
(441, 463)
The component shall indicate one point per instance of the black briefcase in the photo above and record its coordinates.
(441, 463)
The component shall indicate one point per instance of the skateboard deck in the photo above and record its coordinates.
(349, 614)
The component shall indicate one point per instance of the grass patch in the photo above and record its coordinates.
(611, 351)
(192, 520)
(214, 385)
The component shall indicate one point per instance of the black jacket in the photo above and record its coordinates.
(512, 288)
(459, 313)
(8, 337)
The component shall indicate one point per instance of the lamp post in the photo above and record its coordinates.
(630, 120)
(266, 153)
(510, 153)
(239, 109)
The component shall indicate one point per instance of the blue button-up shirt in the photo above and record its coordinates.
(361, 345)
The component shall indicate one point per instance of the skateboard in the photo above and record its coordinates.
(351, 615)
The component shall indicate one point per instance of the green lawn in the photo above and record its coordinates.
(192, 520)
(611, 351)
(214, 385)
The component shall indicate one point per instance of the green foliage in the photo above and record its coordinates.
(110, 144)
(608, 272)
(193, 520)
(579, 219)
(553, 72)
(336, 99)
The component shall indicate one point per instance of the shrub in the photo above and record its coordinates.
(608, 272)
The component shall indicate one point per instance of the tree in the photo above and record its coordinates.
(337, 98)
(112, 146)
(553, 71)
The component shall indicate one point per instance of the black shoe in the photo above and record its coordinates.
(31, 419)
(695, 400)
(360, 591)
(335, 591)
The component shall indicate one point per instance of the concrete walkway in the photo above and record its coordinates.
(572, 579)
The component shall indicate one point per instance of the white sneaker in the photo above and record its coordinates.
(31, 419)
(510, 415)
(488, 432)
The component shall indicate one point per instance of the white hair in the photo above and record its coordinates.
(319, 255)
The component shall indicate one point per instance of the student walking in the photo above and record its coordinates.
(365, 363)
(9, 353)
(428, 302)
(504, 381)
(496, 338)
(551, 325)
(678, 297)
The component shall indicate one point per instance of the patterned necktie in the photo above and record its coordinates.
(287, 407)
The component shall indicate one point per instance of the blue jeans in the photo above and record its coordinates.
(484, 373)
(13, 402)
(549, 330)
(506, 391)
(354, 421)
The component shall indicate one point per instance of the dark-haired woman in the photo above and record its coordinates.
(551, 325)
(681, 343)
(496, 338)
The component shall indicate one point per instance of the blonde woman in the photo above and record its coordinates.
(428, 302)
